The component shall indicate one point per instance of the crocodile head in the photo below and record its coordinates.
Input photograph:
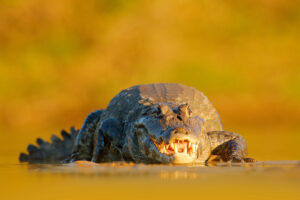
(168, 134)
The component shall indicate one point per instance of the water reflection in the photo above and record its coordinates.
(172, 172)
(177, 175)
(85, 180)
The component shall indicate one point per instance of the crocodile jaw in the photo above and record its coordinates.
(183, 150)
(178, 150)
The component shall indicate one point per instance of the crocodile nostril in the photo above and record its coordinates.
(178, 117)
(180, 131)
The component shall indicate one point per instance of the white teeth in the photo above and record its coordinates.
(194, 147)
(175, 147)
(172, 145)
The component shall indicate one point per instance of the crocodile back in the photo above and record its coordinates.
(128, 103)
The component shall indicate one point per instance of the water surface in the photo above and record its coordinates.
(85, 180)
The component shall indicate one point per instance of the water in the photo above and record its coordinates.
(85, 180)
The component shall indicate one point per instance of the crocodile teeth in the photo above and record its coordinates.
(165, 149)
(172, 145)
(194, 147)
(183, 147)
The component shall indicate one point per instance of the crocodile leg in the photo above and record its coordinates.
(227, 146)
(108, 141)
(83, 147)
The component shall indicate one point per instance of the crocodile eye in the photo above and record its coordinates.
(185, 110)
(165, 110)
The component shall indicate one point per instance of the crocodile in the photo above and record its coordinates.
(165, 123)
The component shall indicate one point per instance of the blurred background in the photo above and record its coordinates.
(60, 60)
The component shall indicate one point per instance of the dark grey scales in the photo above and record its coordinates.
(153, 123)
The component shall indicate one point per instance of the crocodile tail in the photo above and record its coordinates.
(55, 152)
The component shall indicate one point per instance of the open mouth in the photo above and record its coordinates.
(177, 150)
(177, 146)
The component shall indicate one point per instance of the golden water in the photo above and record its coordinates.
(264, 180)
